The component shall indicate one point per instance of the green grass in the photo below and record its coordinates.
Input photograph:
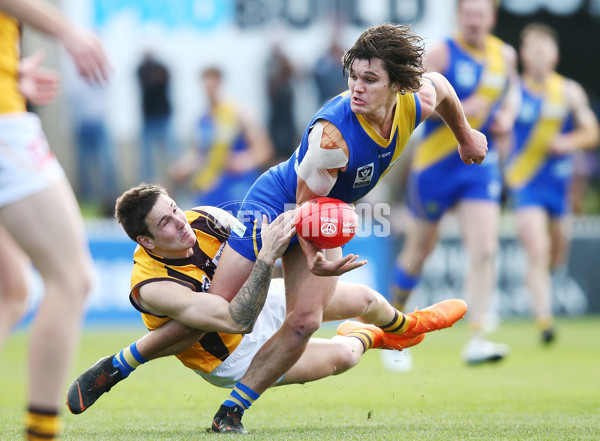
(536, 394)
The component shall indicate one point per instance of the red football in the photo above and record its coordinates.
(327, 222)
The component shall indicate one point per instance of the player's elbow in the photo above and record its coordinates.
(246, 329)
(241, 325)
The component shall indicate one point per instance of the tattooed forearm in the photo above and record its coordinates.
(248, 302)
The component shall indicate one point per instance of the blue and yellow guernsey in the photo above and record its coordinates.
(482, 73)
(544, 114)
(370, 158)
(195, 272)
(220, 133)
(11, 99)
(370, 155)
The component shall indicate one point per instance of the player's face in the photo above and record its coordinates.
(173, 235)
(539, 53)
(476, 19)
(369, 85)
(211, 86)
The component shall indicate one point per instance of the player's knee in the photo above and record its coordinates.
(366, 295)
(13, 288)
(13, 305)
(343, 356)
(485, 254)
(73, 281)
(345, 360)
(415, 259)
(302, 326)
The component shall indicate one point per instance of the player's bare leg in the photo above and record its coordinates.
(48, 227)
(13, 283)
(535, 237)
(479, 225)
(307, 296)
(304, 317)
(559, 241)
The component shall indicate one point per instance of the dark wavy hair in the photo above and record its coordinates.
(133, 206)
(398, 47)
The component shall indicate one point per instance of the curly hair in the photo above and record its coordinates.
(398, 47)
(133, 206)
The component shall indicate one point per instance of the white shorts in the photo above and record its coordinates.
(228, 373)
(27, 165)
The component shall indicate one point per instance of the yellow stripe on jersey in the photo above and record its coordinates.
(227, 129)
(535, 151)
(441, 142)
(194, 272)
(11, 99)
(406, 123)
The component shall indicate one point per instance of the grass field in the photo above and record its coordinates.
(536, 394)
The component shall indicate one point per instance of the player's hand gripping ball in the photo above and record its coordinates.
(326, 222)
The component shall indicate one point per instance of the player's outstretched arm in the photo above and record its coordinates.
(437, 94)
(83, 45)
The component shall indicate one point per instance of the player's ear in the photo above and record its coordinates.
(397, 87)
(146, 242)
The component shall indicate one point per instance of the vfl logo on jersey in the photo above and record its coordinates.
(364, 175)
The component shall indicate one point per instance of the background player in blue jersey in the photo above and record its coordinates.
(482, 70)
(554, 121)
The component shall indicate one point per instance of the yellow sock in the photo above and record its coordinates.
(42, 425)
(365, 336)
(398, 325)
(545, 323)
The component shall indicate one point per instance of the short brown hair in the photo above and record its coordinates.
(133, 206)
(398, 47)
(539, 28)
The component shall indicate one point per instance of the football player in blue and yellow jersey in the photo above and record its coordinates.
(39, 216)
(554, 121)
(482, 70)
(352, 141)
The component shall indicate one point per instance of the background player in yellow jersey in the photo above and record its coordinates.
(230, 151)
(39, 216)
(554, 121)
(177, 257)
(482, 70)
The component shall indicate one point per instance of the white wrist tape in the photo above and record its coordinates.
(315, 165)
